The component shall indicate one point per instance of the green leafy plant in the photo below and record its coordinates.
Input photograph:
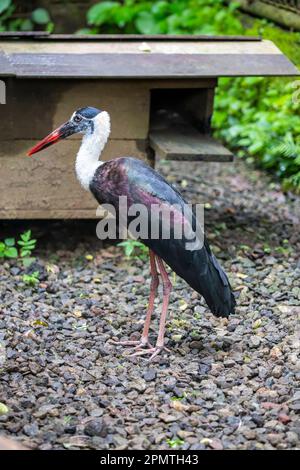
(31, 279)
(6, 11)
(258, 117)
(11, 21)
(27, 244)
(40, 16)
(8, 249)
(4, 5)
(174, 443)
(163, 17)
(134, 249)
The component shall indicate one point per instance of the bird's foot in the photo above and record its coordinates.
(141, 344)
(154, 351)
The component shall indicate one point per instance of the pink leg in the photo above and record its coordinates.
(167, 287)
(153, 290)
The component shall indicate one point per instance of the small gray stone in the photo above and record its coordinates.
(149, 375)
(96, 427)
(196, 345)
(229, 363)
(255, 341)
(277, 372)
(31, 430)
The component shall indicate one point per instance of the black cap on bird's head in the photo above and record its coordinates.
(81, 120)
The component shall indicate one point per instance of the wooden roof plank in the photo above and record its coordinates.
(146, 66)
(165, 59)
(45, 36)
(134, 47)
(6, 68)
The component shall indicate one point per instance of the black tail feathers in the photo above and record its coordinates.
(214, 286)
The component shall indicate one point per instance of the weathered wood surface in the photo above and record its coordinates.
(6, 69)
(187, 144)
(34, 108)
(129, 60)
(152, 66)
(130, 47)
(45, 185)
(44, 35)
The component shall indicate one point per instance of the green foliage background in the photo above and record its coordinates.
(10, 20)
(255, 116)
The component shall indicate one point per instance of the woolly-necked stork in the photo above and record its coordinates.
(130, 177)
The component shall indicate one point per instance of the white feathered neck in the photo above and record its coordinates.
(87, 160)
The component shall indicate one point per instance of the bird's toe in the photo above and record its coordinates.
(142, 345)
(153, 351)
(142, 351)
(137, 345)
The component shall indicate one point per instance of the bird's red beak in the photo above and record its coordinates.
(61, 132)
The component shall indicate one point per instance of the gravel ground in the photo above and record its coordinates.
(227, 384)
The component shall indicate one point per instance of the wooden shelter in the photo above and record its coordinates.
(158, 90)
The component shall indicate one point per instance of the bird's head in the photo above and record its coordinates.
(83, 121)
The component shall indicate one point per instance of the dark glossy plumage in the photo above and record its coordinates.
(141, 184)
(89, 112)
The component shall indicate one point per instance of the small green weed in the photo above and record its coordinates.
(9, 248)
(134, 249)
(173, 443)
(31, 279)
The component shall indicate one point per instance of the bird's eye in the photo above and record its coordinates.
(77, 118)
